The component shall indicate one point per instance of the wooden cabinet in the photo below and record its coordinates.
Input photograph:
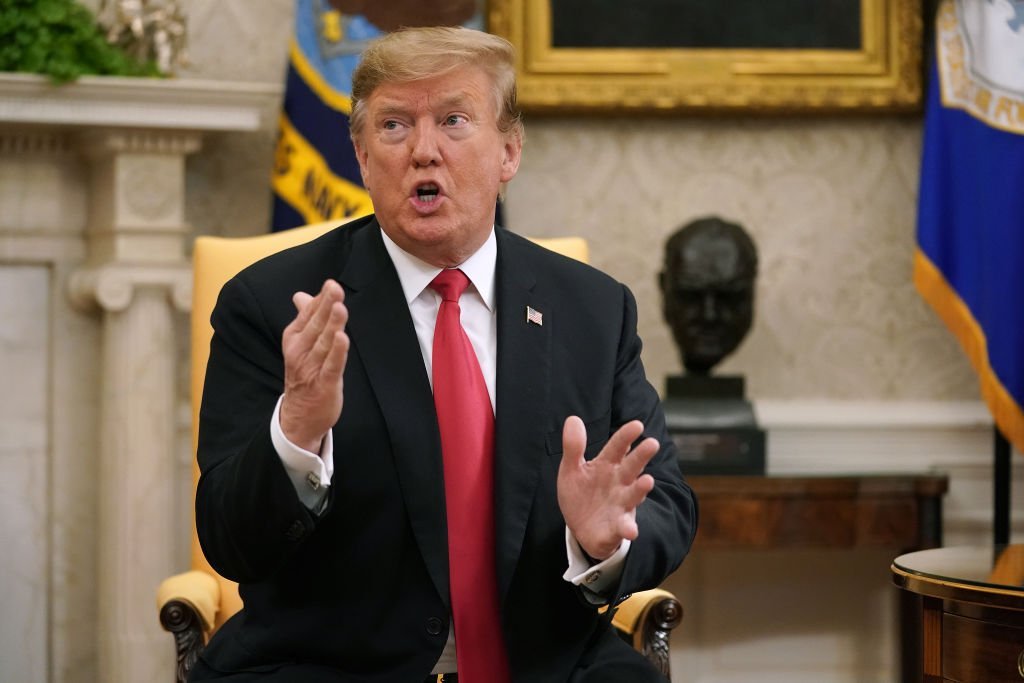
(898, 511)
(903, 512)
(972, 603)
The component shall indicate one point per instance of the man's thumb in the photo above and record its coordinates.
(301, 299)
(574, 439)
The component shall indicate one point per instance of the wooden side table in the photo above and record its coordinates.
(972, 607)
(898, 511)
(902, 512)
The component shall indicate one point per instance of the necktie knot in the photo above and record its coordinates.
(450, 283)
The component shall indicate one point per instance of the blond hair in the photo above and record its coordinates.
(412, 54)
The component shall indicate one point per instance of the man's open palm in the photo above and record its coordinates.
(599, 497)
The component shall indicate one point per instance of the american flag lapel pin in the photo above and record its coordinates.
(534, 316)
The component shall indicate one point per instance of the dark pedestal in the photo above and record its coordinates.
(713, 426)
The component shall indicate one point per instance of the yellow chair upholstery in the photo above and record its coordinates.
(645, 620)
(193, 605)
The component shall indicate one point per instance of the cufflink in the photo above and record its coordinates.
(313, 481)
(593, 577)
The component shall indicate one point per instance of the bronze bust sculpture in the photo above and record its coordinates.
(707, 288)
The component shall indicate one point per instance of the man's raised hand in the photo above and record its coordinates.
(315, 349)
(599, 497)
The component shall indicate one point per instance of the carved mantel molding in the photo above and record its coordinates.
(112, 287)
(141, 103)
(133, 136)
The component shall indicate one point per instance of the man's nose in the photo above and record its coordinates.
(710, 306)
(424, 146)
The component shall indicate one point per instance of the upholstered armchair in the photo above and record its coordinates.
(196, 603)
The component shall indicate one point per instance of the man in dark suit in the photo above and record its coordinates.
(332, 488)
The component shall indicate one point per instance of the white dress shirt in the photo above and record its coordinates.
(311, 473)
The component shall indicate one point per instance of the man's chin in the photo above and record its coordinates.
(707, 347)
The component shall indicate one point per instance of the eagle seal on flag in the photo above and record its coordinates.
(981, 60)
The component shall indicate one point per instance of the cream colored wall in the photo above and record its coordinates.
(830, 204)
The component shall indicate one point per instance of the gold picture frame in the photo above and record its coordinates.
(884, 74)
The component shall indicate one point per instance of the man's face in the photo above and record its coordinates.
(708, 300)
(433, 160)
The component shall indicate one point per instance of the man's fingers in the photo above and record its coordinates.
(337, 356)
(637, 491)
(320, 317)
(574, 440)
(335, 321)
(628, 528)
(305, 305)
(633, 465)
(314, 311)
(301, 300)
(619, 443)
(600, 506)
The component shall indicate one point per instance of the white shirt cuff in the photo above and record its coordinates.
(593, 579)
(310, 473)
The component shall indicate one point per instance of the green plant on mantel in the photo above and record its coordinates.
(60, 39)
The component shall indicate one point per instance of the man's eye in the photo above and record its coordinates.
(393, 124)
(454, 119)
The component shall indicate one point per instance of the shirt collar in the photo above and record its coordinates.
(416, 274)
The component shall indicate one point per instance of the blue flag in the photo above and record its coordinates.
(969, 264)
(316, 175)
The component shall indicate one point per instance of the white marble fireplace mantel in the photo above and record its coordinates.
(138, 103)
(93, 267)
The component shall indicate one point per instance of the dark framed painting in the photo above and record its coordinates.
(721, 55)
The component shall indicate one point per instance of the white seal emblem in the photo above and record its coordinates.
(980, 51)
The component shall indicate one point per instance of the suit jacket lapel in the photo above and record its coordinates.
(523, 368)
(381, 330)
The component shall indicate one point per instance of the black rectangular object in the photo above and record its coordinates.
(720, 451)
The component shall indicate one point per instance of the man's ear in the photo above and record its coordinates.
(513, 154)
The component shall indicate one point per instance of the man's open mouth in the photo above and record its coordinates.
(428, 192)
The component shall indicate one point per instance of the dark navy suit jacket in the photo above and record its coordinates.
(360, 592)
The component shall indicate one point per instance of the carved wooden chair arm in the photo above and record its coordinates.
(188, 607)
(646, 620)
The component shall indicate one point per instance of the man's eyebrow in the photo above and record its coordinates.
(390, 109)
(456, 100)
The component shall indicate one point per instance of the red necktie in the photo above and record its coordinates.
(466, 422)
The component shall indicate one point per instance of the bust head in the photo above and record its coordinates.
(707, 289)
